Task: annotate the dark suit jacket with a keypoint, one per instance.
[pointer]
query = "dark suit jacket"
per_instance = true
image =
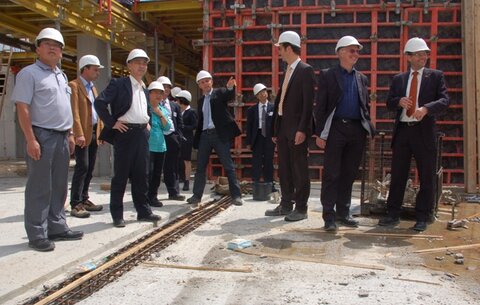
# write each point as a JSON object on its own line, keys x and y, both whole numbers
{"x": 223, "y": 120}
{"x": 190, "y": 120}
{"x": 330, "y": 93}
{"x": 253, "y": 123}
{"x": 297, "y": 106}
{"x": 118, "y": 95}
{"x": 177, "y": 117}
{"x": 432, "y": 95}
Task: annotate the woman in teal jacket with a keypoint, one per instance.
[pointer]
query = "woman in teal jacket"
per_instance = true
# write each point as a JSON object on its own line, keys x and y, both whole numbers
{"x": 159, "y": 122}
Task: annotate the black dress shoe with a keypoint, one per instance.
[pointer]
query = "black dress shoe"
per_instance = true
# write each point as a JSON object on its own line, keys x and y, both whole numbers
{"x": 119, "y": 223}
{"x": 193, "y": 200}
{"x": 176, "y": 197}
{"x": 278, "y": 211}
{"x": 296, "y": 215}
{"x": 186, "y": 185}
{"x": 330, "y": 226}
{"x": 154, "y": 202}
{"x": 348, "y": 222}
{"x": 420, "y": 226}
{"x": 151, "y": 218}
{"x": 42, "y": 245}
{"x": 388, "y": 221}
{"x": 68, "y": 235}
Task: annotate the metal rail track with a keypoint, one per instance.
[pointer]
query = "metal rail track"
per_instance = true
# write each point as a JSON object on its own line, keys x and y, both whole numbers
{"x": 81, "y": 286}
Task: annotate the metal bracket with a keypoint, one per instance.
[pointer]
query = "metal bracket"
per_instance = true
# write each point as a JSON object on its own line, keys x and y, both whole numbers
{"x": 374, "y": 37}
{"x": 434, "y": 38}
{"x": 237, "y": 7}
{"x": 333, "y": 11}
{"x": 373, "y": 96}
{"x": 404, "y": 23}
{"x": 273, "y": 26}
{"x": 426, "y": 5}
{"x": 398, "y": 4}
{"x": 254, "y": 11}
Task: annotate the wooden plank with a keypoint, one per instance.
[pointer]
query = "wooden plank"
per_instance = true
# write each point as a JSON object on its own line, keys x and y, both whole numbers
{"x": 416, "y": 281}
{"x": 199, "y": 268}
{"x": 310, "y": 260}
{"x": 393, "y": 235}
{"x": 462, "y": 247}
{"x": 109, "y": 264}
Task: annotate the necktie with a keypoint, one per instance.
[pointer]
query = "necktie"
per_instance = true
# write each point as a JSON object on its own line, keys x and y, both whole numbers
{"x": 284, "y": 89}
{"x": 413, "y": 93}
{"x": 89, "y": 87}
{"x": 264, "y": 119}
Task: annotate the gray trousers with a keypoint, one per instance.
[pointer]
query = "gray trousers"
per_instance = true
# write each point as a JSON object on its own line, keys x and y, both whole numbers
{"x": 47, "y": 184}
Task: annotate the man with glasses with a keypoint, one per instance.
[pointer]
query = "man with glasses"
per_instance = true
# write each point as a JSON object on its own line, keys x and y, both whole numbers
{"x": 126, "y": 128}
{"x": 417, "y": 96}
{"x": 42, "y": 98}
{"x": 342, "y": 122}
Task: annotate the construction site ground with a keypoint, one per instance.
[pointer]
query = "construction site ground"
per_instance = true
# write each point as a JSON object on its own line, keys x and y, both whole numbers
{"x": 288, "y": 263}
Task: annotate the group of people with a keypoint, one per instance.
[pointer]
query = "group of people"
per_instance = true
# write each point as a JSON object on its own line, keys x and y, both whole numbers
{"x": 152, "y": 132}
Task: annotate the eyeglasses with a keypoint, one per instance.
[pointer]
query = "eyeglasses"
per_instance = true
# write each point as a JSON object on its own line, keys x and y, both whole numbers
{"x": 352, "y": 51}
{"x": 52, "y": 44}
{"x": 419, "y": 54}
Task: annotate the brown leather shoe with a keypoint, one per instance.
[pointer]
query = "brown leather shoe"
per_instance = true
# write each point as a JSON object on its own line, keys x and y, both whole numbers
{"x": 79, "y": 211}
{"x": 92, "y": 207}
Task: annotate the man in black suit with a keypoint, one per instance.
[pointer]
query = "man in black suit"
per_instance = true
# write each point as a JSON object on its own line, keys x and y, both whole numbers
{"x": 126, "y": 128}
{"x": 259, "y": 135}
{"x": 417, "y": 96}
{"x": 342, "y": 122}
{"x": 215, "y": 130}
{"x": 173, "y": 138}
{"x": 292, "y": 127}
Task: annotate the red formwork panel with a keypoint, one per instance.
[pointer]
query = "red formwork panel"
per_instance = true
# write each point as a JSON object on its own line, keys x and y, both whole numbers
{"x": 239, "y": 42}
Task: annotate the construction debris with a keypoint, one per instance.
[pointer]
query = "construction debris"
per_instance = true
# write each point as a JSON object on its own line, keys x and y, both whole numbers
{"x": 446, "y": 248}
{"x": 453, "y": 224}
{"x": 239, "y": 243}
{"x": 448, "y": 197}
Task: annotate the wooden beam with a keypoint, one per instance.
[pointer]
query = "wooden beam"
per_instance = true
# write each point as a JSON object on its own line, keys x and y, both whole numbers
{"x": 169, "y": 5}
{"x": 462, "y": 247}
{"x": 199, "y": 268}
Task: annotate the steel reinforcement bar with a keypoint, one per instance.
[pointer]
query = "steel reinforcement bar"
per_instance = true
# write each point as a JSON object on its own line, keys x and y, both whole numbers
{"x": 80, "y": 286}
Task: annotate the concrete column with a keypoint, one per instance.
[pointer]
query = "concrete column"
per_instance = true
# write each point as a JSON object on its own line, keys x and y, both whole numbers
{"x": 8, "y": 134}
{"x": 90, "y": 45}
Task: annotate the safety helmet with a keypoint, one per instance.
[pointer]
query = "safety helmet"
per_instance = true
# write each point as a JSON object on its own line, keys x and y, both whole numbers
{"x": 156, "y": 85}
{"x": 185, "y": 94}
{"x": 289, "y": 36}
{"x": 346, "y": 41}
{"x": 89, "y": 60}
{"x": 164, "y": 80}
{"x": 257, "y": 88}
{"x": 50, "y": 33}
{"x": 415, "y": 44}
{"x": 137, "y": 53}
{"x": 203, "y": 74}
{"x": 175, "y": 91}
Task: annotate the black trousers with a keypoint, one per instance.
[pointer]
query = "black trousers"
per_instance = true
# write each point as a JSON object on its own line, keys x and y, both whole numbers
{"x": 157, "y": 160}
{"x": 130, "y": 151}
{"x": 343, "y": 154}
{"x": 82, "y": 174}
{"x": 409, "y": 142}
{"x": 293, "y": 171}
{"x": 171, "y": 165}
{"x": 262, "y": 158}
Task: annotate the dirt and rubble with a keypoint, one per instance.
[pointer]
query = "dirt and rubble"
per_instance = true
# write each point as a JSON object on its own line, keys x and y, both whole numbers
{"x": 295, "y": 263}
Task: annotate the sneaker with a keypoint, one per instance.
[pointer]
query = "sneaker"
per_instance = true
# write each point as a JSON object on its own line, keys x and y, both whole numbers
{"x": 237, "y": 201}
{"x": 79, "y": 211}
{"x": 42, "y": 245}
{"x": 92, "y": 207}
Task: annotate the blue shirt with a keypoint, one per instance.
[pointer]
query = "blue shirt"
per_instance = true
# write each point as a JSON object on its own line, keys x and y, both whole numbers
{"x": 207, "y": 113}
{"x": 349, "y": 106}
{"x": 156, "y": 142}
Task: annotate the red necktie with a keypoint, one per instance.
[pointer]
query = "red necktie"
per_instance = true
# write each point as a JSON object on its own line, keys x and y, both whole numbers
{"x": 413, "y": 94}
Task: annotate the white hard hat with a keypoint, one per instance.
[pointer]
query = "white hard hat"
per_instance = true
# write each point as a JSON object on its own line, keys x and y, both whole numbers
{"x": 203, "y": 74}
{"x": 258, "y": 87}
{"x": 89, "y": 60}
{"x": 415, "y": 44}
{"x": 50, "y": 33}
{"x": 185, "y": 94}
{"x": 346, "y": 41}
{"x": 137, "y": 53}
{"x": 164, "y": 80}
{"x": 175, "y": 91}
{"x": 156, "y": 85}
{"x": 289, "y": 36}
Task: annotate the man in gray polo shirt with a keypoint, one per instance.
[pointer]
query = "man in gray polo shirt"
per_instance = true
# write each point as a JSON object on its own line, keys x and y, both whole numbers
{"x": 42, "y": 97}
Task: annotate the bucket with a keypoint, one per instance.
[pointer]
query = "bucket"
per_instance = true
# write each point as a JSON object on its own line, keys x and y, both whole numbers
{"x": 262, "y": 191}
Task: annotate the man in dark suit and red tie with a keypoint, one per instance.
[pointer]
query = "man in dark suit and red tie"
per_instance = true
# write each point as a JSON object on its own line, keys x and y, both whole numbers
{"x": 292, "y": 128}
{"x": 342, "y": 122}
{"x": 417, "y": 96}
{"x": 259, "y": 135}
